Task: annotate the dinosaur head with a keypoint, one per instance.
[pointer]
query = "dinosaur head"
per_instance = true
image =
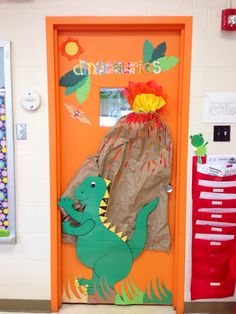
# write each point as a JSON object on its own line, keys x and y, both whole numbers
{"x": 91, "y": 191}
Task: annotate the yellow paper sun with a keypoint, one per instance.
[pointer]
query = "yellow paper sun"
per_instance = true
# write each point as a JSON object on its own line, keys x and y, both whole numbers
{"x": 71, "y": 49}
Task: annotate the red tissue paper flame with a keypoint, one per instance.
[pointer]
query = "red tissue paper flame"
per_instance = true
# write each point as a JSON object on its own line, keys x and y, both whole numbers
{"x": 135, "y": 89}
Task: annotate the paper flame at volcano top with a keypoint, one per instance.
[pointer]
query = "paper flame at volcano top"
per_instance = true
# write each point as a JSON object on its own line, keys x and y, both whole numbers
{"x": 144, "y": 97}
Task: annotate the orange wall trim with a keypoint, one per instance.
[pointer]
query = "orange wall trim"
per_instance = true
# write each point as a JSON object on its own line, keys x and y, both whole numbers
{"x": 184, "y": 25}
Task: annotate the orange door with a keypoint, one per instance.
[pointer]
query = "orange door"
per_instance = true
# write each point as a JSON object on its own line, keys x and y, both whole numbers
{"x": 79, "y": 140}
{"x": 153, "y": 272}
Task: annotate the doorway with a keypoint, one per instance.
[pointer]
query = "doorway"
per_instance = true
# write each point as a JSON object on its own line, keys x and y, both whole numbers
{"x": 99, "y": 41}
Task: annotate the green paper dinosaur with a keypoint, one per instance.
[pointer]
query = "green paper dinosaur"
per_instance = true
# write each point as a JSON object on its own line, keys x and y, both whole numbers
{"x": 197, "y": 141}
{"x": 107, "y": 253}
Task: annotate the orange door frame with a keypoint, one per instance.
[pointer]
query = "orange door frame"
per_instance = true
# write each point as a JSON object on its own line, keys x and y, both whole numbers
{"x": 53, "y": 26}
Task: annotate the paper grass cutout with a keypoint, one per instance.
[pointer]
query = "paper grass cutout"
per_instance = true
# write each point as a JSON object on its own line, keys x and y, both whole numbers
{"x": 197, "y": 141}
{"x": 74, "y": 293}
{"x": 136, "y": 296}
{"x": 109, "y": 295}
{"x": 114, "y": 261}
{"x": 129, "y": 294}
{"x": 77, "y": 114}
{"x": 157, "y": 56}
{"x": 71, "y": 49}
{"x": 165, "y": 295}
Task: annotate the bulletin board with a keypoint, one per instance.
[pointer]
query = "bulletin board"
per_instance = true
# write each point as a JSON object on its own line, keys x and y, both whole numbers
{"x": 7, "y": 194}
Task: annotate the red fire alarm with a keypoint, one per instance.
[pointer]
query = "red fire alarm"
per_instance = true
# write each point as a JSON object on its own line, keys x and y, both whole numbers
{"x": 228, "y": 20}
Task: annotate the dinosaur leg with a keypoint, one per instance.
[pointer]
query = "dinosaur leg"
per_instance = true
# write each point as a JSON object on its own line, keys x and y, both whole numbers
{"x": 109, "y": 271}
{"x": 95, "y": 281}
{"x": 98, "y": 282}
{"x": 87, "y": 282}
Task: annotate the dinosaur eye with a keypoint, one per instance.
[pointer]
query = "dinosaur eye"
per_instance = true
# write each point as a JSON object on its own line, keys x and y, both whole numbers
{"x": 93, "y": 184}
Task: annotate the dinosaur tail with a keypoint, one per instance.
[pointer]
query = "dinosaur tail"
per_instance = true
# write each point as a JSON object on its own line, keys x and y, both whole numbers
{"x": 138, "y": 239}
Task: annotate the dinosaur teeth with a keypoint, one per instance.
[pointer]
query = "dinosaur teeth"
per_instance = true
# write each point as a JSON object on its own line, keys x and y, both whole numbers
{"x": 103, "y": 204}
{"x": 107, "y": 225}
{"x": 101, "y": 211}
{"x": 103, "y": 219}
{"x": 113, "y": 229}
{"x": 124, "y": 238}
{"x": 107, "y": 182}
{"x": 106, "y": 195}
{"x": 120, "y": 234}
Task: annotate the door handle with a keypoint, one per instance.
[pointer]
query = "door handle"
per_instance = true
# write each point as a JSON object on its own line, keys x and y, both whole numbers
{"x": 169, "y": 188}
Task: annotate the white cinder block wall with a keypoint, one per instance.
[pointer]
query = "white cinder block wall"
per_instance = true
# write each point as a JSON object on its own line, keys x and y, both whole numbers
{"x": 27, "y": 264}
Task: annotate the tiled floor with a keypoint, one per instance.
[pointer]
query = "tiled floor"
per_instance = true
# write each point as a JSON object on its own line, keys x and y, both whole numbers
{"x": 111, "y": 309}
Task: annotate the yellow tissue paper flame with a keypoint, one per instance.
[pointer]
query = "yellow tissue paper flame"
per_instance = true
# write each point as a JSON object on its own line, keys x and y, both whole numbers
{"x": 148, "y": 103}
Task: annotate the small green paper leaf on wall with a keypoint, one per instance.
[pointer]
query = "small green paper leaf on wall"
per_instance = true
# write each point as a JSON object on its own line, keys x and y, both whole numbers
{"x": 71, "y": 89}
{"x": 159, "y": 51}
{"x": 83, "y": 91}
{"x": 70, "y": 79}
{"x": 147, "y": 51}
{"x": 166, "y": 63}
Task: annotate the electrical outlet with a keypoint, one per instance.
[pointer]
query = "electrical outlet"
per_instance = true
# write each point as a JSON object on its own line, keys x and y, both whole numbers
{"x": 221, "y": 133}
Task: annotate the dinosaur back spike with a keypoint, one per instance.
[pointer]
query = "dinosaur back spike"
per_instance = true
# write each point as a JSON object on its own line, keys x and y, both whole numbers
{"x": 124, "y": 238}
{"x": 107, "y": 225}
{"x": 103, "y": 204}
{"x": 103, "y": 219}
{"x": 119, "y": 234}
{"x": 106, "y": 195}
{"x": 101, "y": 211}
{"x": 107, "y": 182}
{"x": 113, "y": 229}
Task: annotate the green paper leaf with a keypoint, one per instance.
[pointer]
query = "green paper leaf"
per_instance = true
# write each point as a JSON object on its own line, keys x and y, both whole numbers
{"x": 147, "y": 51}
{"x": 83, "y": 91}
{"x": 159, "y": 51}
{"x": 166, "y": 63}
{"x": 70, "y": 79}
{"x": 71, "y": 89}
